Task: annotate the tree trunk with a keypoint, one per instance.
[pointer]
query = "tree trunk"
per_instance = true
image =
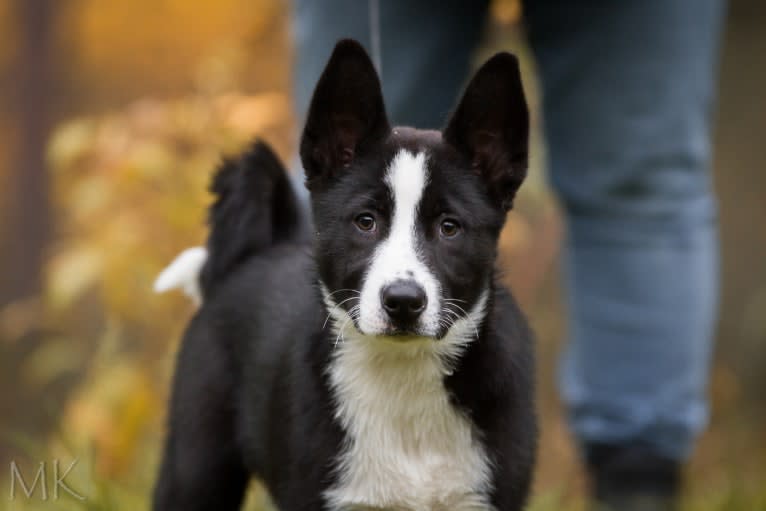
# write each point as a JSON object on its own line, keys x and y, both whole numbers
{"x": 28, "y": 220}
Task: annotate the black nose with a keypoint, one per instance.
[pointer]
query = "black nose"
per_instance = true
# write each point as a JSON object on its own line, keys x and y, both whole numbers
{"x": 403, "y": 300}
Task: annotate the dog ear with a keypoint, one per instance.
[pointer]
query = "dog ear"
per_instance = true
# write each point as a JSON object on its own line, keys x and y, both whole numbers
{"x": 346, "y": 115}
{"x": 490, "y": 126}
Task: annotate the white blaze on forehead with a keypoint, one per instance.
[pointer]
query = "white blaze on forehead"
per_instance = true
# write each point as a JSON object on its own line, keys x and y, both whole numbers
{"x": 406, "y": 178}
{"x": 397, "y": 256}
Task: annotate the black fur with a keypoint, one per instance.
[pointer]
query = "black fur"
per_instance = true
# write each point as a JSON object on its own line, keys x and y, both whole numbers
{"x": 251, "y": 393}
{"x": 494, "y": 135}
{"x": 255, "y": 208}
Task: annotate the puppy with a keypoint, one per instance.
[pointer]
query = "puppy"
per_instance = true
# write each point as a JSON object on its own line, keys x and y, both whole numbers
{"x": 379, "y": 365}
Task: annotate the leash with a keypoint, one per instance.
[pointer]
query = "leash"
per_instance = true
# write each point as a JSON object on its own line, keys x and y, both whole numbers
{"x": 375, "y": 49}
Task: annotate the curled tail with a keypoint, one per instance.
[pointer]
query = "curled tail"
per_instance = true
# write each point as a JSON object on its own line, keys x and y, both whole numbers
{"x": 255, "y": 207}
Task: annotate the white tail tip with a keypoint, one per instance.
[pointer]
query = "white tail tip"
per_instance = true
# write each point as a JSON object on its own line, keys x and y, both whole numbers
{"x": 183, "y": 273}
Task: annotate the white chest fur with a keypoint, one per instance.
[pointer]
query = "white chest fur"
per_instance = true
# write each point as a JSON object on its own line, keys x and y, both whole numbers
{"x": 409, "y": 447}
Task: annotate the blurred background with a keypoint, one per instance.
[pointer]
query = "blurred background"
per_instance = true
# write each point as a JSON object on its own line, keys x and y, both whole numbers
{"x": 113, "y": 116}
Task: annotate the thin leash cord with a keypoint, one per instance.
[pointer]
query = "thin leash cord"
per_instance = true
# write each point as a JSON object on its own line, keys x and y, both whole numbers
{"x": 377, "y": 57}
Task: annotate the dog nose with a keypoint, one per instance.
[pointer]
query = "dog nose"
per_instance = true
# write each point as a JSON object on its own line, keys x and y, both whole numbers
{"x": 403, "y": 300}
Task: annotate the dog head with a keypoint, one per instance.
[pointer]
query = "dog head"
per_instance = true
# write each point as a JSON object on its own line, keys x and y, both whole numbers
{"x": 407, "y": 221}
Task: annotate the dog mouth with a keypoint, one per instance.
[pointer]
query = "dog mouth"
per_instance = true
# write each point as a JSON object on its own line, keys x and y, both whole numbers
{"x": 404, "y": 334}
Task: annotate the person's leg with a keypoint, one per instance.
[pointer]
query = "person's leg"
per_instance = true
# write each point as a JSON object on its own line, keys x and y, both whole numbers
{"x": 426, "y": 46}
{"x": 627, "y": 93}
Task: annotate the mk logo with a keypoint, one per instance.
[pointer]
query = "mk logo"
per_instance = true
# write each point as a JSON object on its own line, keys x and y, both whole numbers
{"x": 40, "y": 478}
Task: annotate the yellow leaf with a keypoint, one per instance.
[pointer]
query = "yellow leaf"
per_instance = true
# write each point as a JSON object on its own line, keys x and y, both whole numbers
{"x": 72, "y": 272}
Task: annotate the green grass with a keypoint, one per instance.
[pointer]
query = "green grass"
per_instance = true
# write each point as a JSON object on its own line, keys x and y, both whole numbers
{"x": 110, "y": 495}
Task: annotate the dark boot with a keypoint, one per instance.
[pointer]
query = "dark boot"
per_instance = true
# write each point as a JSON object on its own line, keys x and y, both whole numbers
{"x": 632, "y": 478}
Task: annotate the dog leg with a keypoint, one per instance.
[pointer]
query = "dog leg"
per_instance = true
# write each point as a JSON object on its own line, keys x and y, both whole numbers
{"x": 202, "y": 466}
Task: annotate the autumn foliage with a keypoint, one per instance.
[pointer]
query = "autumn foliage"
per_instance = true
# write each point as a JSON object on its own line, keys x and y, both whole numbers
{"x": 147, "y": 98}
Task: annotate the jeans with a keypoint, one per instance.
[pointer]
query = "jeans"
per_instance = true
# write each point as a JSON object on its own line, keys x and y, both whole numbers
{"x": 627, "y": 93}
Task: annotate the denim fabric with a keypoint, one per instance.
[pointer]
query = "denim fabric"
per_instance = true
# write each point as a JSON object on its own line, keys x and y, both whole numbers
{"x": 627, "y": 92}
{"x": 426, "y": 46}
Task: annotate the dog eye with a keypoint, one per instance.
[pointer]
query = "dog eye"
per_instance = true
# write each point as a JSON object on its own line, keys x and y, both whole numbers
{"x": 449, "y": 228}
{"x": 365, "y": 222}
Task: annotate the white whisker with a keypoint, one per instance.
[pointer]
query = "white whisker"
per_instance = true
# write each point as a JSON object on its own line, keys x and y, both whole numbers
{"x": 458, "y": 307}
{"x": 340, "y": 333}
{"x": 466, "y": 316}
{"x": 453, "y": 313}
{"x": 334, "y": 308}
{"x": 341, "y": 290}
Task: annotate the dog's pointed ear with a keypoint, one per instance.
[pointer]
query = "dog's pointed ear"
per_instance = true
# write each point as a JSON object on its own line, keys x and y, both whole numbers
{"x": 346, "y": 116}
{"x": 490, "y": 126}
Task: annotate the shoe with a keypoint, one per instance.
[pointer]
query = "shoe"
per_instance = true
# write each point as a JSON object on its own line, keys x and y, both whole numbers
{"x": 632, "y": 478}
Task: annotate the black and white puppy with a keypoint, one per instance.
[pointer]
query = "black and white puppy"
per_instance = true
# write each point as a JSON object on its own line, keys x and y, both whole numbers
{"x": 379, "y": 365}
